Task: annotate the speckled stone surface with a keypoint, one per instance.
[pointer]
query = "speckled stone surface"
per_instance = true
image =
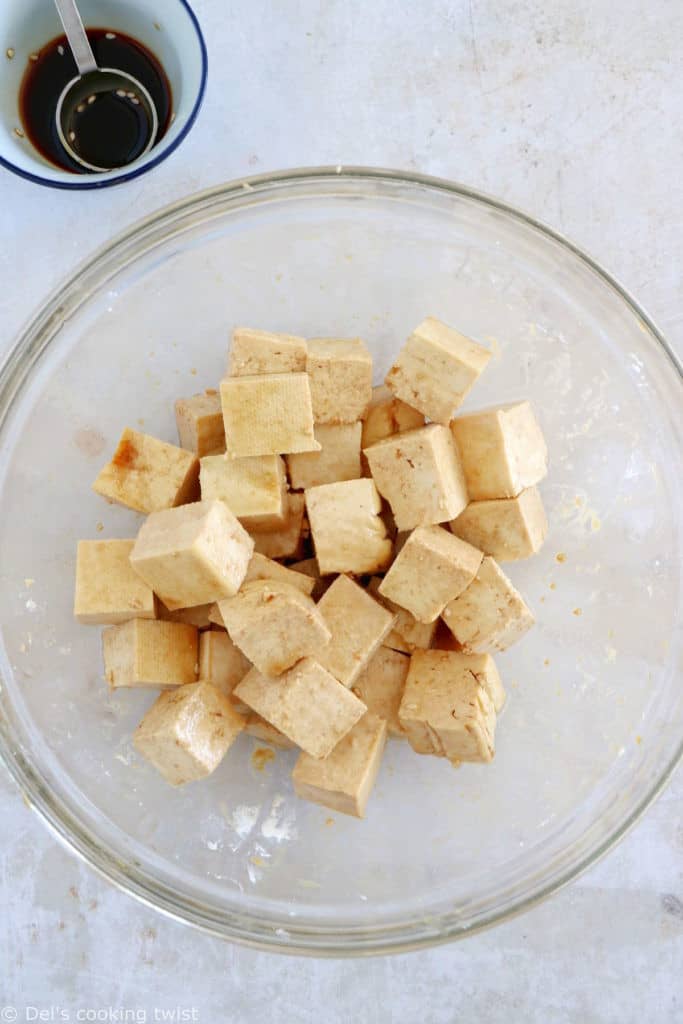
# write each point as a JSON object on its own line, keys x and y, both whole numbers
{"x": 570, "y": 111}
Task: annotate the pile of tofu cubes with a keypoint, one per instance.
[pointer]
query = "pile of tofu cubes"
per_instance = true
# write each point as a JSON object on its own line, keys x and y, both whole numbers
{"x": 319, "y": 562}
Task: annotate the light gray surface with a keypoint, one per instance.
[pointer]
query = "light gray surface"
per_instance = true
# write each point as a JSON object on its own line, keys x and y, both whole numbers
{"x": 569, "y": 111}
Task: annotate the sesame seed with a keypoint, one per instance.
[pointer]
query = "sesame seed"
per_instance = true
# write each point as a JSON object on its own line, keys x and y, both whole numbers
{"x": 110, "y": 35}
{"x": 19, "y": 133}
{"x": 72, "y": 136}
{"x": 130, "y": 95}
{"x": 91, "y": 99}
{"x": 10, "y": 52}
{"x": 121, "y": 92}
{"x": 60, "y": 50}
{"x": 80, "y": 108}
{"x": 33, "y": 57}
{"x": 136, "y": 101}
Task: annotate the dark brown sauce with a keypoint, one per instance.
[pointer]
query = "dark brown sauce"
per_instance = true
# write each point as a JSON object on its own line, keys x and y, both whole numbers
{"x": 107, "y": 131}
{"x": 125, "y": 455}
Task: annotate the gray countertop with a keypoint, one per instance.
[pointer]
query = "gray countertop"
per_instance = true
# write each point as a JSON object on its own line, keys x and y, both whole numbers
{"x": 570, "y": 111}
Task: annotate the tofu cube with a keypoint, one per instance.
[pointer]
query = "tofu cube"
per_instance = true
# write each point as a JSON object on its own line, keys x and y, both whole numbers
{"x": 107, "y": 588}
{"x": 338, "y": 458}
{"x": 380, "y": 686}
{"x": 255, "y": 353}
{"x": 408, "y": 634}
{"x": 358, "y": 625}
{"x": 388, "y": 415}
{"x": 197, "y": 616}
{"x": 502, "y": 451}
{"x": 262, "y": 568}
{"x": 435, "y": 369}
{"x": 449, "y": 705}
{"x": 268, "y": 415}
{"x": 192, "y": 555}
{"x": 420, "y": 475}
{"x": 344, "y": 779}
{"x": 254, "y": 488}
{"x": 429, "y": 571}
{"x": 187, "y": 732}
{"x": 444, "y": 639}
{"x": 215, "y": 617}
{"x": 145, "y": 652}
{"x": 309, "y": 567}
{"x": 262, "y": 730}
{"x": 200, "y": 424}
{"x": 340, "y": 370}
{"x": 148, "y": 475}
{"x": 289, "y": 540}
{"x": 505, "y": 528}
{"x": 348, "y": 532}
{"x": 221, "y": 662}
{"x": 306, "y": 704}
{"x": 489, "y": 615}
{"x": 274, "y": 625}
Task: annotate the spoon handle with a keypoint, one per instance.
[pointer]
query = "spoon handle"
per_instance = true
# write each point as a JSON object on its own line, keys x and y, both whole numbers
{"x": 75, "y": 33}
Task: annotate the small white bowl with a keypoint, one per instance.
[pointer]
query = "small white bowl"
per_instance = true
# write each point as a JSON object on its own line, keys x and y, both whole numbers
{"x": 169, "y": 29}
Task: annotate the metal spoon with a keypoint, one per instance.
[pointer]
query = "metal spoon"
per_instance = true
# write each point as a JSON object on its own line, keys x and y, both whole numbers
{"x": 92, "y": 84}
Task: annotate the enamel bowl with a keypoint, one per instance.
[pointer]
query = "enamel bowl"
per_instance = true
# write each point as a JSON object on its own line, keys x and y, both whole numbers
{"x": 170, "y": 30}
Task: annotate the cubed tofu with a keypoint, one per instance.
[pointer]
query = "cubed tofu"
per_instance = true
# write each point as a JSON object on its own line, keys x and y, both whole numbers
{"x": 309, "y": 567}
{"x": 192, "y": 555}
{"x": 443, "y": 639}
{"x": 340, "y": 370}
{"x": 215, "y": 617}
{"x": 429, "y": 571}
{"x": 348, "y": 533}
{"x": 268, "y": 415}
{"x": 187, "y": 732}
{"x": 505, "y": 528}
{"x": 148, "y": 475}
{"x": 489, "y": 615}
{"x": 338, "y": 458}
{"x": 267, "y": 733}
{"x": 290, "y": 539}
{"x": 221, "y": 662}
{"x": 274, "y": 625}
{"x": 197, "y": 616}
{"x": 305, "y": 703}
{"x": 344, "y": 779}
{"x": 380, "y": 686}
{"x": 358, "y": 625}
{"x": 502, "y": 451}
{"x": 408, "y": 634}
{"x": 420, "y": 475}
{"x": 387, "y": 415}
{"x": 436, "y": 369}
{"x": 262, "y": 568}
{"x": 254, "y": 488}
{"x": 200, "y": 424}
{"x": 255, "y": 353}
{"x": 108, "y": 590}
{"x": 449, "y": 705}
{"x": 147, "y": 653}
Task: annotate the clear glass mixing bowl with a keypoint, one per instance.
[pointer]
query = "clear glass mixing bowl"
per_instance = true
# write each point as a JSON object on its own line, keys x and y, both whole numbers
{"x": 594, "y": 720}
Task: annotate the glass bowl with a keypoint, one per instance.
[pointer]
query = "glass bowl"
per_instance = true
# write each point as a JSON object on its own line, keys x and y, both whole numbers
{"x": 593, "y": 724}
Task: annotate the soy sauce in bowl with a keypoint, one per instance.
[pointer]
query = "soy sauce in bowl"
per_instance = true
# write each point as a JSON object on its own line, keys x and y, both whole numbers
{"x": 106, "y": 126}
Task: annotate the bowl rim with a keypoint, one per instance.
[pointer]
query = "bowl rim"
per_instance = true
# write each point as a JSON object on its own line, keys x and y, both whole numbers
{"x": 81, "y": 183}
{"x": 69, "y": 295}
